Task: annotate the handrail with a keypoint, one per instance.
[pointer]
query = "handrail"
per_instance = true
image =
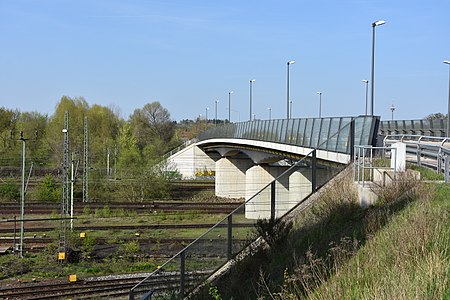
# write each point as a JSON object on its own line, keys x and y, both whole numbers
{"x": 349, "y": 141}
{"x": 303, "y": 132}
{"x": 420, "y": 137}
{"x": 218, "y": 223}
{"x": 435, "y": 151}
{"x": 179, "y": 148}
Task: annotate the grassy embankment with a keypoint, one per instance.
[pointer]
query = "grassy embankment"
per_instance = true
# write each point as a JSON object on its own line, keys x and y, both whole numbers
{"x": 396, "y": 249}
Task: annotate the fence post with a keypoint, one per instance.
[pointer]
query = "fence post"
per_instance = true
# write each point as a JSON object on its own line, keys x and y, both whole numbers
{"x": 439, "y": 161}
{"x": 272, "y": 200}
{"x": 230, "y": 236}
{"x": 418, "y": 154}
{"x": 131, "y": 295}
{"x": 352, "y": 139}
{"x": 313, "y": 171}
{"x": 446, "y": 164}
{"x": 182, "y": 263}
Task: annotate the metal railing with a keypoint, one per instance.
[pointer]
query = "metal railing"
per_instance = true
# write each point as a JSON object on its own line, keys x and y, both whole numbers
{"x": 178, "y": 149}
{"x": 206, "y": 254}
{"x": 213, "y": 249}
{"x": 429, "y": 151}
{"x": 364, "y": 165}
{"x": 330, "y": 134}
{"x": 437, "y": 127}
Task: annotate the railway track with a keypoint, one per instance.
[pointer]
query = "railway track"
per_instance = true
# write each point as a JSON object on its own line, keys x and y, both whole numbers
{"x": 159, "y": 206}
{"x": 129, "y": 227}
{"x": 106, "y": 287}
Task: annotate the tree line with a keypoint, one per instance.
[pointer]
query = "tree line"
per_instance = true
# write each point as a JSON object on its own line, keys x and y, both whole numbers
{"x": 125, "y": 152}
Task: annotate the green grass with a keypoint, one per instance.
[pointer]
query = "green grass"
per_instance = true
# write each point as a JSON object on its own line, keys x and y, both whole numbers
{"x": 407, "y": 259}
{"x": 396, "y": 249}
{"x": 426, "y": 173}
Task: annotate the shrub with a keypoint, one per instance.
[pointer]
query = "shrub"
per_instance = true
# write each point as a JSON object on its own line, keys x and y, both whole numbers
{"x": 47, "y": 190}
{"x": 9, "y": 191}
{"x": 129, "y": 250}
{"x": 12, "y": 265}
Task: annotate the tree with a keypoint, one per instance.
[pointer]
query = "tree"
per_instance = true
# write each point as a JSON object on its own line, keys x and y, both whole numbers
{"x": 34, "y": 125}
{"x": 435, "y": 116}
{"x": 129, "y": 156}
{"x": 152, "y": 122}
{"x": 77, "y": 108}
{"x": 103, "y": 128}
{"x": 8, "y": 121}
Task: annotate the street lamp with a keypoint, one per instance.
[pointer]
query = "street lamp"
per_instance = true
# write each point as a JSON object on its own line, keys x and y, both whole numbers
{"x": 320, "y": 104}
{"x": 270, "y": 113}
{"x": 392, "y": 112}
{"x": 229, "y": 106}
{"x": 215, "y": 120}
{"x": 366, "y": 83}
{"x": 374, "y": 24}
{"x": 251, "y": 94}
{"x": 288, "y": 113}
{"x": 448, "y": 105}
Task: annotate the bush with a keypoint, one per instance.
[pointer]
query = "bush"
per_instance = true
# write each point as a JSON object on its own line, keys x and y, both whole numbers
{"x": 47, "y": 190}
{"x": 12, "y": 265}
{"x": 129, "y": 250}
{"x": 9, "y": 191}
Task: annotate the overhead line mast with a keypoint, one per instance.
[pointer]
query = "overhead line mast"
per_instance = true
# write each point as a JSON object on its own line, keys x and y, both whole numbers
{"x": 86, "y": 162}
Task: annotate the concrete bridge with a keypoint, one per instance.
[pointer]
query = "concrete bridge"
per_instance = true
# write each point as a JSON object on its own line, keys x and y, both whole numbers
{"x": 276, "y": 165}
{"x": 245, "y": 157}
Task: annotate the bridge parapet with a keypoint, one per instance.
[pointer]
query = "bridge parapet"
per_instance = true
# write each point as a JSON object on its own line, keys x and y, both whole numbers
{"x": 330, "y": 134}
{"x": 437, "y": 127}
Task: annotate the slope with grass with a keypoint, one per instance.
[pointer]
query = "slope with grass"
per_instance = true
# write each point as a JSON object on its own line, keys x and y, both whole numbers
{"x": 396, "y": 249}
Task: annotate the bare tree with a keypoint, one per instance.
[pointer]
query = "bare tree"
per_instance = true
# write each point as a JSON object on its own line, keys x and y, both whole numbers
{"x": 152, "y": 122}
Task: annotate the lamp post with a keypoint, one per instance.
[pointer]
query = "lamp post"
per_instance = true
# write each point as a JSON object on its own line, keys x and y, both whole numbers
{"x": 215, "y": 120}
{"x": 372, "y": 84}
{"x": 448, "y": 104}
{"x": 392, "y": 112}
{"x": 270, "y": 113}
{"x": 288, "y": 110}
{"x": 251, "y": 95}
{"x": 320, "y": 104}
{"x": 229, "y": 106}
{"x": 206, "y": 114}
{"x": 366, "y": 82}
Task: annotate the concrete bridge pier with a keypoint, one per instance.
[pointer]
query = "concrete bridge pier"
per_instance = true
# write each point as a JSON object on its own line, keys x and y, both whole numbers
{"x": 230, "y": 176}
{"x": 257, "y": 177}
{"x": 289, "y": 190}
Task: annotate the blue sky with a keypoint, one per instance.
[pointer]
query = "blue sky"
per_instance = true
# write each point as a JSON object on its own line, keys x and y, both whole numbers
{"x": 187, "y": 54}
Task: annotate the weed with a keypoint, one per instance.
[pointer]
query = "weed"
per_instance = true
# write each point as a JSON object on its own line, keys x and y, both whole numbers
{"x": 404, "y": 186}
{"x": 214, "y": 293}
